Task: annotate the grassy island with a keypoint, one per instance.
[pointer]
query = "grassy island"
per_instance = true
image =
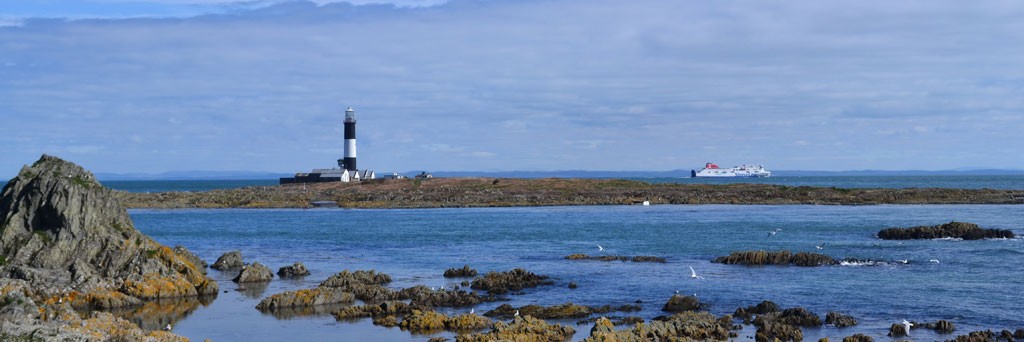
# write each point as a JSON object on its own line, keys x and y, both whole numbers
{"x": 512, "y": 192}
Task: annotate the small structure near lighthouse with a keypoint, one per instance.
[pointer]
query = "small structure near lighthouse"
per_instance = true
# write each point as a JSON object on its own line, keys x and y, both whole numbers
{"x": 347, "y": 171}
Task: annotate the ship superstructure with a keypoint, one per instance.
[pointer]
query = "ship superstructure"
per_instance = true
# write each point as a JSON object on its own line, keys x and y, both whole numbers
{"x": 713, "y": 170}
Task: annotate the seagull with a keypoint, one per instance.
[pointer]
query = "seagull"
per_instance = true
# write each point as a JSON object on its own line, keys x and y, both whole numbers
{"x": 600, "y": 249}
{"x": 906, "y": 327}
{"x": 693, "y": 274}
{"x": 934, "y": 261}
{"x": 442, "y": 287}
{"x": 168, "y": 327}
{"x": 772, "y": 233}
{"x": 517, "y": 313}
{"x": 820, "y": 247}
{"x": 904, "y": 261}
{"x": 471, "y": 311}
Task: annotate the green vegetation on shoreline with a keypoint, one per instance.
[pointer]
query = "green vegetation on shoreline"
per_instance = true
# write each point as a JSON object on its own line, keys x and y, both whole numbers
{"x": 513, "y": 192}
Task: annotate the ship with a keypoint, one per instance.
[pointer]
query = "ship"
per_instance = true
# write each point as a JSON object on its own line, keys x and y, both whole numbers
{"x": 750, "y": 171}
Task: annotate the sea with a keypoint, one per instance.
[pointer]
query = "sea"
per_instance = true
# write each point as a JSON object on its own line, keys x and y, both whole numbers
{"x": 974, "y": 284}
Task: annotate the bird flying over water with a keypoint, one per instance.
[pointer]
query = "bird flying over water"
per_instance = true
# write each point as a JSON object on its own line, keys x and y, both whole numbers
{"x": 772, "y": 233}
{"x": 693, "y": 274}
{"x": 904, "y": 261}
{"x": 599, "y": 248}
{"x": 820, "y": 247}
{"x": 934, "y": 261}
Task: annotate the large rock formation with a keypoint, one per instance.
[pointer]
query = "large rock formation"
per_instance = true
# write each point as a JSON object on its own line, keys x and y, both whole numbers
{"x": 956, "y": 230}
{"x": 685, "y": 326}
{"x": 68, "y": 240}
{"x": 514, "y": 280}
{"x": 776, "y": 258}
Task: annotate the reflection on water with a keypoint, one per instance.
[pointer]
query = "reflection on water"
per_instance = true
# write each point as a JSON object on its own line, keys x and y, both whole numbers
{"x": 156, "y": 314}
{"x": 253, "y": 290}
{"x": 309, "y": 311}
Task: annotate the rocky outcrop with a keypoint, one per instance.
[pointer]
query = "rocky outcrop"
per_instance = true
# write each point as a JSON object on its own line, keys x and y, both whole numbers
{"x": 680, "y": 303}
{"x": 761, "y": 308}
{"x": 305, "y": 297}
{"x": 956, "y": 230}
{"x": 522, "y": 328}
{"x": 685, "y": 326}
{"x": 638, "y": 258}
{"x": 390, "y": 308}
{"x": 794, "y": 316}
{"x": 858, "y": 338}
{"x": 775, "y": 331}
{"x": 255, "y": 273}
{"x": 567, "y": 310}
{"x": 976, "y": 336}
{"x": 776, "y": 258}
{"x": 65, "y": 236}
{"x": 839, "y": 320}
{"x": 360, "y": 277}
{"x": 294, "y": 271}
{"x": 898, "y": 330}
{"x": 228, "y": 261}
{"x": 422, "y": 295}
{"x": 514, "y": 280}
{"x": 465, "y": 271}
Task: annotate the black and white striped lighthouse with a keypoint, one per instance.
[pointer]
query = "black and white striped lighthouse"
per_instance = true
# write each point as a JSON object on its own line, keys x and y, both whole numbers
{"x": 349, "y": 162}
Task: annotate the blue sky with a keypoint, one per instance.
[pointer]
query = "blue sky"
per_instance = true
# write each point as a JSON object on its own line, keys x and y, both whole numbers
{"x": 162, "y": 85}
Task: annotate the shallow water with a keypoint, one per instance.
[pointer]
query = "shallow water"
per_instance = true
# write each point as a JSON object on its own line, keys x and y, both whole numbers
{"x": 975, "y": 285}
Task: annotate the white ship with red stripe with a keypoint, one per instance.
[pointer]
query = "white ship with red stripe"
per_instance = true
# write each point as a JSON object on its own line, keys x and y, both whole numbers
{"x": 712, "y": 170}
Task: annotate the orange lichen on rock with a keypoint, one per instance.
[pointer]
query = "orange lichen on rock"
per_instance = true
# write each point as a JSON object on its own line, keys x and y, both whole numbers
{"x": 155, "y": 286}
{"x": 105, "y": 326}
{"x": 423, "y": 321}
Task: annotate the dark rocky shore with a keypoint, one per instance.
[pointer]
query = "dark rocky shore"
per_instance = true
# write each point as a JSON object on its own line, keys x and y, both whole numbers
{"x": 491, "y": 192}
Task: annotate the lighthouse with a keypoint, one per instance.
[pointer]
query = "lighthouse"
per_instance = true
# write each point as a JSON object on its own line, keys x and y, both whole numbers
{"x": 349, "y": 162}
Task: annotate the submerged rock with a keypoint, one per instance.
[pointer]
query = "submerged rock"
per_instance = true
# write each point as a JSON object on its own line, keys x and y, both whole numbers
{"x": 514, "y": 280}
{"x": 761, "y": 308}
{"x": 295, "y": 270}
{"x": 465, "y": 271}
{"x": 638, "y": 258}
{"x": 858, "y": 338}
{"x": 255, "y": 273}
{"x": 228, "y": 261}
{"x": 776, "y": 258}
{"x": 956, "y": 230}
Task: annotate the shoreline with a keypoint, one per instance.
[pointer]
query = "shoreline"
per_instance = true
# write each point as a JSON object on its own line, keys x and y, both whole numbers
{"x": 520, "y": 192}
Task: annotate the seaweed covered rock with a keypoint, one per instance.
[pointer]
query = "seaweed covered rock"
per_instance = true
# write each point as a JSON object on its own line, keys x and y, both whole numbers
{"x": 255, "y": 273}
{"x": 839, "y": 320}
{"x": 684, "y": 326}
{"x": 775, "y": 331}
{"x": 858, "y": 338}
{"x": 957, "y": 230}
{"x": 294, "y": 271}
{"x": 514, "y": 280}
{"x": 567, "y": 310}
{"x": 638, "y": 258}
{"x": 305, "y": 297}
{"x": 679, "y": 303}
{"x": 389, "y": 308}
{"x": 228, "y": 261}
{"x": 423, "y": 321}
{"x": 347, "y": 279}
{"x": 465, "y": 271}
{"x": 761, "y": 308}
{"x": 425, "y": 296}
{"x": 794, "y": 316}
{"x": 776, "y": 258}
{"x": 522, "y": 328}
{"x": 976, "y": 336}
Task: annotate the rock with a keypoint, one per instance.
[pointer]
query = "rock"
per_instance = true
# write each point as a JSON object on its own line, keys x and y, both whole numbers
{"x": 567, "y": 310}
{"x": 346, "y": 279}
{"x": 1018, "y": 334}
{"x": 759, "y": 309}
{"x": 795, "y": 316}
{"x": 976, "y": 336}
{"x": 776, "y": 258}
{"x": 680, "y": 303}
{"x": 572, "y": 285}
{"x": 467, "y": 322}
{"x": 898, "y": 330}
{"x": 423, "y": 322}
{"x": 194, "y": 259}
{"x": 958, "y": 230}
{"x": 522, "y": 328}
{"x": 65, "y": 236}
{"x": 638, "y": 258}
{"x": 228, "y": 261}
{"x": 946, "y": 327}
{"x": 514, "y": 280}
{"x": 386, "y": 321}
{"x": 684, "y": 326}
{"x": 445, "y": 339}
{"x": 306, "y": 297}
{"x": 295, "y": 270}
{"x": 465, "y": 271}
{"x": 858, "y": 338}
{"x": 255, "y": 273}
{"x": 603, "y": 325}
{"x": 823, "y": 339}
{"x": 1006, "y": 335}
{"x": 422, "y": 295}
{"x": 390, "y": 308}
{"x": 839, "y": 320}
{"x": 774, "y": 331}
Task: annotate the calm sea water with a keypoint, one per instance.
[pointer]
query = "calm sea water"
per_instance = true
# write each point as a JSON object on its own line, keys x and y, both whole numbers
{"x": 976, "y": 285}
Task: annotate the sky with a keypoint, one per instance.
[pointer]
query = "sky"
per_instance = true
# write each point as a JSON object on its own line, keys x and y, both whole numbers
{"x": 149, "y": 86}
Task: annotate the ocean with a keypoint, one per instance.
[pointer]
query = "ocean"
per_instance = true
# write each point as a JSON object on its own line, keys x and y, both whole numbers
{"x": 975, "y": 285}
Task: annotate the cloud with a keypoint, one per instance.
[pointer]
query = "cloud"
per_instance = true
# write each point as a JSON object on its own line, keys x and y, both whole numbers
{"x": 558, "y": 84}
